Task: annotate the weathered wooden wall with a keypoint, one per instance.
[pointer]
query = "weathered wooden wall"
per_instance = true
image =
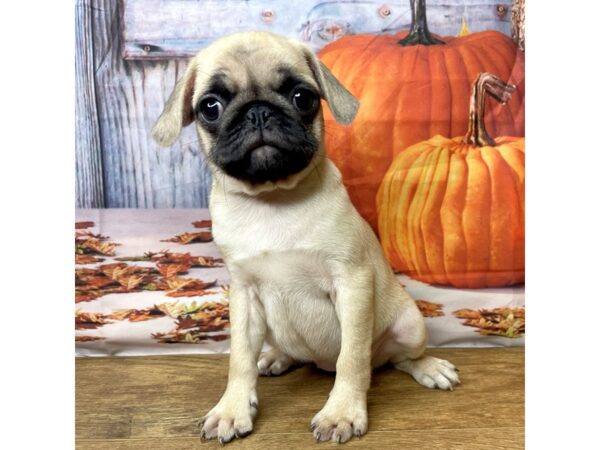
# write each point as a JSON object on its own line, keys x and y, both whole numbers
{"x": 131, "y": 52}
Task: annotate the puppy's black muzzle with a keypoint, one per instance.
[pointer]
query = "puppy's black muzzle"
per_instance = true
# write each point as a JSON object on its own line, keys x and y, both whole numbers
{"x": 262, "y": 142}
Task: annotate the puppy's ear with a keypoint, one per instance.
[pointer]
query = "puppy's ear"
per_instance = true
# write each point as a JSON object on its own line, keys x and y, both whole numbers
{"x": 178, "y": 111}
{"x": 342, "y": 103}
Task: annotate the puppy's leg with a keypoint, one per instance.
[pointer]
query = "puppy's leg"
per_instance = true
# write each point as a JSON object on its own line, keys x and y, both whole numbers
{"x": 274, "y": 362}
{"x": 233, "y": 415}
{"x": 410, "y": 338}
{"x": 345, "y": 412}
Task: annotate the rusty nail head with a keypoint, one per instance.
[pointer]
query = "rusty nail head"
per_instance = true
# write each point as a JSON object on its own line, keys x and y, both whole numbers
{"x": 385, "y": 11}
{"x": 501, "y": 10}
{"x": 267, "y": 15}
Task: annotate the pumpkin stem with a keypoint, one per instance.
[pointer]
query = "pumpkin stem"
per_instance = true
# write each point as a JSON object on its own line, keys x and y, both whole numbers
{"x": 485, "y": 83}
{"x": 419, "y": 33}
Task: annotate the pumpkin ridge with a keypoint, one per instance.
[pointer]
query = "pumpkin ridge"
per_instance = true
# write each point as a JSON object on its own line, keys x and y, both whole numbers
{"x": 451, "y": 213}
{"x": 430, "y": 221}
{"x": 503, "y": 220}
{"x": 407, "y": 193}
{"x": 397, "y": 178}
{"x": 508, "y": 152}
{"x": 415, "y": 213}
{"x": 477, "y": 208}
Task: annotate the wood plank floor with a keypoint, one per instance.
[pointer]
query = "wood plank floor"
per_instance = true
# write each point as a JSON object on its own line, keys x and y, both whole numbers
{"x": 154, "y": 403}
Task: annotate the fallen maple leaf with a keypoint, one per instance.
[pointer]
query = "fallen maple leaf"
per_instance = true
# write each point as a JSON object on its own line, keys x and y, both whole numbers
{"x": 169, "y": 270}
{"x": 506, "y": 322}
{"x": 93, "y": 245}
{"x": 188, "y": 238}
{"x": 87, "y": 259}
{"x": 80, "y": 225}
{"x": 202, "y": 223}
{"x": 137, "y": 315}
{"x": 86, "y": 296}
{"x": 84, "y": 235}
{"x": 429, "y": 309}
{"x": 88, "y": 338}
{"x": 89, "y": 320}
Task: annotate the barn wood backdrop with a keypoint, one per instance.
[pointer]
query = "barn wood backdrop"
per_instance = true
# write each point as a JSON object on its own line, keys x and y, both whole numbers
{"x": 130, "y": 53}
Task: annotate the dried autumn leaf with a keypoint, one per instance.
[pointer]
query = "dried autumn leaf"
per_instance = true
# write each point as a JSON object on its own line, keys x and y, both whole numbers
{"x": 185, "y": 287}
{"x": 169, "y": 270}
{"x": 85, "y": 235}
{"x": 89, "y": 320}
{"x": 87, "y": 259}
{"x": 195, "y": 321}
{"x": 95, "y": 246}
{"x": 88, "y": 338}
{"x": 173, "y": 309}
{"x": 81, "y": 225}
{"x": 131, "y": 282}
{"x": 86, "y": 296}
{"x": 202, "y": 223}
{"x": 188, "y": 238}
{"x": 137, "y": 315}
{"x": 429, "y": 309}
{"x": 94, "y": 282}
{"x": 190, "y": 293}
{"x": 506, "y": 322}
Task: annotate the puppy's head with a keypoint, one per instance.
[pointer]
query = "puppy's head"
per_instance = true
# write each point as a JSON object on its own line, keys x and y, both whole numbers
{"x": 255, "y": 100}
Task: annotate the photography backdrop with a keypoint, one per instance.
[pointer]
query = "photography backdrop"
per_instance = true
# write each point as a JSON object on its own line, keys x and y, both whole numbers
{"x": 450, "y": 215}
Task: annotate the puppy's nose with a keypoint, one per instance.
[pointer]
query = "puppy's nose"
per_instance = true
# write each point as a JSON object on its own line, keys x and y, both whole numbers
{"x": 259, "y": 115}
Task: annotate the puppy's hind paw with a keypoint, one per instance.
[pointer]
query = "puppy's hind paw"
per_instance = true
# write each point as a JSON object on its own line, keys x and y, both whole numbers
{"x": 274, "y": 362}
{"x": 431, "y": 372}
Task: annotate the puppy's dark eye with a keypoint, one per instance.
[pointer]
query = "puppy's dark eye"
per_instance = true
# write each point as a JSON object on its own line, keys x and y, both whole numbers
{"x": 210, "y": 109}
{"x": 303, "y": 99}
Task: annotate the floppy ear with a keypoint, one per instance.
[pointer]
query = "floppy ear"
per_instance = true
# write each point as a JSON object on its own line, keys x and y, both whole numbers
{"x": 342, "y": 103}
{"x": 178, "y": 111}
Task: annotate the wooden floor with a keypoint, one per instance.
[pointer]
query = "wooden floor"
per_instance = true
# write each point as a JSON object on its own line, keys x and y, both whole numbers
{"x": 154, "y": 402}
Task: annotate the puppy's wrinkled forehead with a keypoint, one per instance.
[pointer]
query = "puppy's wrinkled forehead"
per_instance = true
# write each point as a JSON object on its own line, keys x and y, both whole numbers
{"x": 252, "y": 66}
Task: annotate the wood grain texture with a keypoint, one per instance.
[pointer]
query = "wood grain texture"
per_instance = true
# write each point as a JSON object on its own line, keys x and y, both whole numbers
{"x": 130, "y": 96}
{"x": 160, "y": 29}
{"x": 154, "y": 402}
{"x": 89, "y": 190}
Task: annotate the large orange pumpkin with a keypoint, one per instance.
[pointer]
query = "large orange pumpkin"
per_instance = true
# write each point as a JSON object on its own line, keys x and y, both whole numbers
{"x": 410, "y": 88}
{"x": 452, "y": 211}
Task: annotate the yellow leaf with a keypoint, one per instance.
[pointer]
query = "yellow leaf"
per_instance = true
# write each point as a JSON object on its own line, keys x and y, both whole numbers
{"x": 464, "y": 29}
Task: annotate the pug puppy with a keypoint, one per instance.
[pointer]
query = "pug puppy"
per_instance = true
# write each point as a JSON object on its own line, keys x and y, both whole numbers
{"x": 308, "y": 275}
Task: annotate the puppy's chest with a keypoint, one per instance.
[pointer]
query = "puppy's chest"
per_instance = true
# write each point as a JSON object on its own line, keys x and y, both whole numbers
{"x": 258, "y": 233}
{"x": 276, "y": 253}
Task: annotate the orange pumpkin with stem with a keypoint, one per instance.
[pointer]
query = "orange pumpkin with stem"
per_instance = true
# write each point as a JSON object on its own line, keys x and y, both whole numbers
{"x": 452, "y": 211}
{"x": 411, "y": 86}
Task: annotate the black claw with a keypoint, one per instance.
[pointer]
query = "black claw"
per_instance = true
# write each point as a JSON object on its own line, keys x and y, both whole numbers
{"x": 339, "y": 439}
{"x": 313, "y": 426}
{"x": 254, "y": 405}
{"x": 242, "y": 435}
{"x": 318, "y": 436}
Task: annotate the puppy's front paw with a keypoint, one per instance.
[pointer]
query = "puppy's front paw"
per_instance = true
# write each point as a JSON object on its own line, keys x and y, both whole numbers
{"x": 231, "y": 418}
{"x": 343, "y": 416}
